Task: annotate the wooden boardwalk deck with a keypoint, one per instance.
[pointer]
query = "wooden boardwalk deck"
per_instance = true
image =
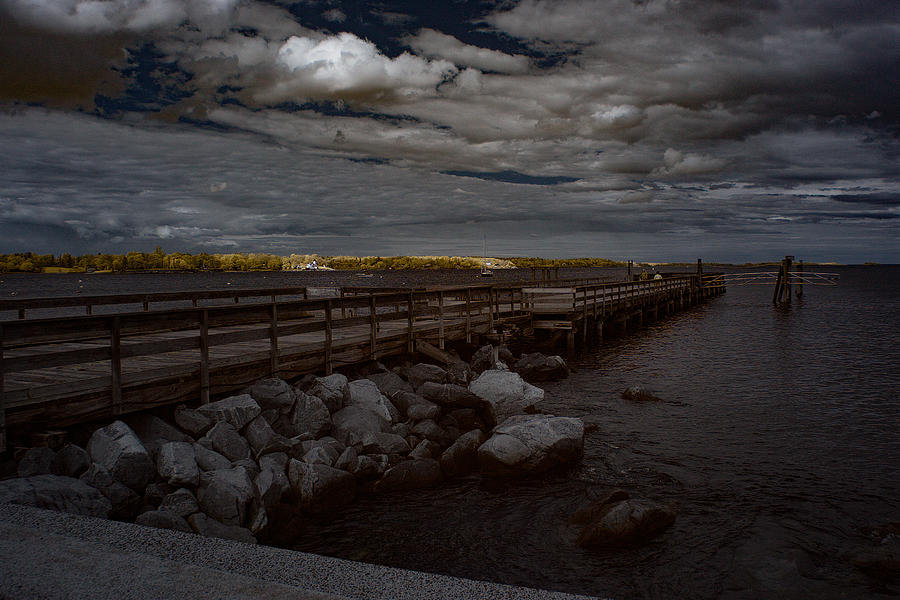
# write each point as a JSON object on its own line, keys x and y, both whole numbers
{"x": 59, "y": 371}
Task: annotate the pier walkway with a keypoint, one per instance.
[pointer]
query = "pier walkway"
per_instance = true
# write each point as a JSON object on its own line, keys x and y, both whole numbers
{"x": 176, "y": 348}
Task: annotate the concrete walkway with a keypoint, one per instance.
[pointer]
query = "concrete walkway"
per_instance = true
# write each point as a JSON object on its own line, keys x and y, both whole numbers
{"x": 49, "y": 555}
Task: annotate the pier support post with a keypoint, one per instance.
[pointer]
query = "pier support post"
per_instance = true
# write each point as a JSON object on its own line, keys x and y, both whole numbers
{"x": 800, "y": 279}
{"x": 328, "y": 338}
{"x": 115, "y": 347}
{"x": 373, "y": 328}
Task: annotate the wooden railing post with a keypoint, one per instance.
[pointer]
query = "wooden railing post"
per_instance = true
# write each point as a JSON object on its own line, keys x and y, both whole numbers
{"x": 410, "y": 341}
{"x": 468, "y": 315}
{"x": 373, "y": 327}
{"x": 491, "y": 309}
{"x": 115, "y": 347}
{"x": 441, "y": 319}
{"x": 21, "y": 313}
{"x": 273, "y": 339}
{"x": 204, "y": 356}
{"x": 328, "y": 338}
{"x": 2, "y": 396}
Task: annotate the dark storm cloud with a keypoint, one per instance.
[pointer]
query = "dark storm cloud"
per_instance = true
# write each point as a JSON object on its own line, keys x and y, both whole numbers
{"x": 296, "y": 125}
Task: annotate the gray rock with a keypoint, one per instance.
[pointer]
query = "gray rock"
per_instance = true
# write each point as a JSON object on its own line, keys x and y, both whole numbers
{"x": 618, "y": 521}
{"x": 36, "y": 461}
{"x": 71, "y": 461}
{"x": 402, "y": 400}
{"x": 318, "y": 456}
{"x": 163, "y": 519}
{"x": 467, "y": 419}
{"x": 332, "y": 390}
{"x": 460, "y": 373}
{"x": 225, "y": 440}
{"x": 209, "y": 527}
{"x": 117, "y": 449}
{"x": 249, "y": 464}
{"x": 225, "y": 495}
{"x": 320, "y": 488}
{"x": 505, "y": 393}
{"x": 347, "y": 460}
{"x": 209, "y": 460}
{"x": 881, "y": 561}
{"x": 422, "y": 372}
{"x": 462, "y": 456}
{"x": 410, "y": 475}
{"x": 390, "y": 383}
{"x": 273, "y": 393}
{"x": 55, "y": 492}
{"x": 155, "y": 492}
{"x": 177, "y": 465}
{"x": 430, "y": 430}
{"x": 484, "y": 358}
{"x": 426, "y": 449}
{"x": 370, "y": 466}
{"x": 384, "y": 443}
{"x": 449, "y": 395}
{"x": 351, "y": 424}
{"x": 328, "y": 444}
{"x": 259, "y": 434}
{"x": 259, "y": 517}
{"x": 401, "y": 429}
{"x": 235, "y": 410}
{"x": 424, "y": 410}
{"x": 310, "y": 415}
{"x": 364, "y": 393}
{"x": 192, "y": 421}
{"x": 154, "y": 432}
{"x": 123, "y": 500}
{"x": 536, "y": 367}
{"x": 271, "y": 486}
{"x": 529, "y": 444}
{"x": 275, "y": 462}
{"x": 181, "y": 502}
{"x": 640, "y": 394}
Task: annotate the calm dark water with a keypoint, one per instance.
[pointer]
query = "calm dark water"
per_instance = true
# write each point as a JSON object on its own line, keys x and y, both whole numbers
{"x": 779, "y": 441}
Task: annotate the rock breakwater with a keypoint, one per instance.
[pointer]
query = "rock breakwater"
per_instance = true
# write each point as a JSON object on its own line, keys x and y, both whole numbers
{"x": 237, "y": 467}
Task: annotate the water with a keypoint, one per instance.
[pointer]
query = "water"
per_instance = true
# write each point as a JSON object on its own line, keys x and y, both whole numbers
{"x": 778, "y": 441}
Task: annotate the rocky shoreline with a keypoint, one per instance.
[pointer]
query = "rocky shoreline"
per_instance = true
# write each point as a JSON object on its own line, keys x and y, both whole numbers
{"x": 240, "y": 467}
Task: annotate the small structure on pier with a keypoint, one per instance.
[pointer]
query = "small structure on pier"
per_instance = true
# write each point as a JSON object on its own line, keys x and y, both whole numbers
{"x": 790, "y": 277}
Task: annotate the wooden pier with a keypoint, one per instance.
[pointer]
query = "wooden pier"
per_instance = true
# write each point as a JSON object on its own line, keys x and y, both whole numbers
{"x": 150, "y": 350}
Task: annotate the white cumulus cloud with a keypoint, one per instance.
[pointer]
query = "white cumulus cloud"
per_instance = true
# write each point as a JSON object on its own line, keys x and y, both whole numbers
{"x": 681, "y": 163}
{"x": 429, "y": 42}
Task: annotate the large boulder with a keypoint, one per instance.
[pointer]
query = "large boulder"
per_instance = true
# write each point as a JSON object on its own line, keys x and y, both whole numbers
{"x": 536, "y": 367}
{"x": 55, "y": 492}
{"x": 332, "y": 390}
{"x": 430, "y": 430}
{"x": 117, "y": 449}
{"x": 364, "y": 393}
{"x": 124, "y": 501}
{"x": 320, "y": 488}
{"x": 154, "y": 432}
{"x": 224, "y": 439}
{"x": 384, "y": 443}
{"x": 235, "y": 410}
{"x": 225, "y": 495}
{"x": 505, "y": 394}
{"x": 351, "y": 424}
{"x": 177, "y": 464}
{"x": 36, "y": 461}
{"x": 310, "y": 415}
{"x": 192, "y": 420}
{"x": 881, "y": 561}
{"x": 273, "y": 393}
{"x": 462, "y": 456}
{"x": 259, "y": 434}
{"x": 449, "y": 395}
{"x": 163, "y": 519}
{"x": 209, "y": 460}
{"x": 389, "y": 384}
{"x": 209, "y": 527}
{"x": 410, "y": 475}
{"x": 71, "y": 461}
{"x": 422, "y": 372}
{"x": 528, "y": 444}
{"x": 638, "y": 393}
{"x": 619, "y": 520}
{"x": 180, "y": 502}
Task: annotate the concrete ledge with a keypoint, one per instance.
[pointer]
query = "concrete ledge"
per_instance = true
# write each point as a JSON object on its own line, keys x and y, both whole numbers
{"x": 51, "y": 555}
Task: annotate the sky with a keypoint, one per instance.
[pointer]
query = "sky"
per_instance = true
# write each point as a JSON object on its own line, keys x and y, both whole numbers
{"x": 652, "y": 130}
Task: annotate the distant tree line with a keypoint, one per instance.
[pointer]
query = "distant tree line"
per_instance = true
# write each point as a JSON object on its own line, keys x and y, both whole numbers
{"x": 29, "y": 262}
